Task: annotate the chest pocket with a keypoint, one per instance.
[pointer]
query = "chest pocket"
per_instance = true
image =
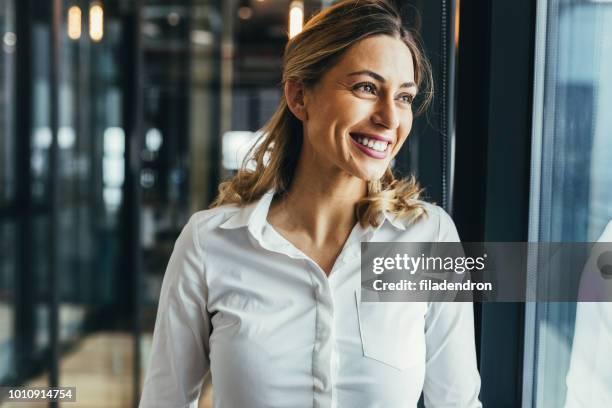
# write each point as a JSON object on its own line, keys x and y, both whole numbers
{"x": 392, "y": 333}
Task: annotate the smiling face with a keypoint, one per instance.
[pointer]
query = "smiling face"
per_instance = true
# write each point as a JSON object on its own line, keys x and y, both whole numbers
{"x": 358, "y": 115}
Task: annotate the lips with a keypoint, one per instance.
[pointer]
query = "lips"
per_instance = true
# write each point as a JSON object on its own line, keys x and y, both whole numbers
{"x": 373, "y": 136}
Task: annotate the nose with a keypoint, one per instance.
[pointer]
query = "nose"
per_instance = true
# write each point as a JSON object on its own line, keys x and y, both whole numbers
{"x": 386, "y": 114}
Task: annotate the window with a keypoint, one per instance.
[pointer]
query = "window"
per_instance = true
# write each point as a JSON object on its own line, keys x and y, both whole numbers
{"x": 571, "y": 196}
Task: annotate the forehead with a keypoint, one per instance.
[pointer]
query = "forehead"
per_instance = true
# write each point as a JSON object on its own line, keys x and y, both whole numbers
{"x": 383, "y": 54}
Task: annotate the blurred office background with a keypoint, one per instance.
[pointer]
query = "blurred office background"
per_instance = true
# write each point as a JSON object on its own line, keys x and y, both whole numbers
{"x": 118, "y": 119}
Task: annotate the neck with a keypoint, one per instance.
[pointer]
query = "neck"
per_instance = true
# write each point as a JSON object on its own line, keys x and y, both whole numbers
{"x": 319, "y": 206}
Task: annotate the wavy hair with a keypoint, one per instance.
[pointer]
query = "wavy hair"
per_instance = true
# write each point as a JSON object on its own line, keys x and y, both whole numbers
{"x": 323, "y": 41}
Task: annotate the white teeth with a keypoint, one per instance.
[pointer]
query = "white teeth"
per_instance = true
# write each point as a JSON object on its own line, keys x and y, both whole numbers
{"x": 373, "y": 144}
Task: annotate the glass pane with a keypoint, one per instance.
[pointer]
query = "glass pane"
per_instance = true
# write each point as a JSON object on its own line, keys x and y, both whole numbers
{"x": 91, "y": 179}
{"x": 72, "y": 259}
{"x": 41, "y": 126}
{"x": 7, "y": 93}
{"x": 8, "y": 270}
{"x": 575, "y": 197}
{"x": 39, "y": 291}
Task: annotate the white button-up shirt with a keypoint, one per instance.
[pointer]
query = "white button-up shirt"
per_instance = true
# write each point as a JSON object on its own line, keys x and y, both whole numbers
{"x": 240, "y": 300}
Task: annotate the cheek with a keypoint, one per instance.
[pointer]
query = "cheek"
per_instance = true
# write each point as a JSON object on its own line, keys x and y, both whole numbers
{"x": 324, "y": 116}
{"x": 404, "y": 132}
{"x": 322, "y": 132}
{"x": 333, "y": 123}
{"x": 407, "y": 125}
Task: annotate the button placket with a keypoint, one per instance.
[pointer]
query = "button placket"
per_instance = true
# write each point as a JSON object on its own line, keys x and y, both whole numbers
{"x": 324, "y": 343}
{"x": 335, "y": 364}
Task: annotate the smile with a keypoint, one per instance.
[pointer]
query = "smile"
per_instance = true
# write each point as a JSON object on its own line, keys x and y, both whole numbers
{"x": 377, "y": 145}
{"x": 372, "y": 147}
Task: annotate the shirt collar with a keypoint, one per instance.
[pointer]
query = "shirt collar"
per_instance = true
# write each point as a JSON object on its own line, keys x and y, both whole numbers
{"x": 254, "y": 216}
{"x": 393, "y": 220}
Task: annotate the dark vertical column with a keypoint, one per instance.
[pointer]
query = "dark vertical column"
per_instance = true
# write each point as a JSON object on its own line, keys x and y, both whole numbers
{"x": 472, "y": 119}
{"x": 54, "y": 197}
{"x": 132, "y": 123}
{"x": 507, "y": 199}
{"x": 24, "y": 301}
{"x": 493, "y": 165}
{"x": 472, "y": 132}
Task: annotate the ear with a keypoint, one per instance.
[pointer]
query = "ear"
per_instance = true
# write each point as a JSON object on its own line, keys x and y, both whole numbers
{"x": 296, "y": 101}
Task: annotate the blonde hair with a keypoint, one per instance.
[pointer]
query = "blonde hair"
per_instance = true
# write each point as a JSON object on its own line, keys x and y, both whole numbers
{"x": 325, "y": 38}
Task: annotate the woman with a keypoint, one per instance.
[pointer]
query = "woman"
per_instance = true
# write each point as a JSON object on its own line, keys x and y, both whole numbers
{"x": 263, "y": 289}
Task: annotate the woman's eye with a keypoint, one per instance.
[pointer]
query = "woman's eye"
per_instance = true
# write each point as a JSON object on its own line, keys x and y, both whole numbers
{"x": 406, "y": 98}
{"x": 366, "y": 87}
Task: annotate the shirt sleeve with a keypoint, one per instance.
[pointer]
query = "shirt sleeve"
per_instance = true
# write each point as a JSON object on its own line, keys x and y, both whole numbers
{"x": 451, "y": 375}
{"x": 179, "y": 357}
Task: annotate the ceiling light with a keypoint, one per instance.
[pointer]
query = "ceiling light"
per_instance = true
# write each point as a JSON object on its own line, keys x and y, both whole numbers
{"x": 74, "y": 23}
{"x": 96, "y": 22}
{"x": 296, "y": 18}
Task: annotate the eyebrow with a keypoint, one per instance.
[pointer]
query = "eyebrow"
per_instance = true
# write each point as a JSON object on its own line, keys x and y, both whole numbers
{"x": 379, "y": 78}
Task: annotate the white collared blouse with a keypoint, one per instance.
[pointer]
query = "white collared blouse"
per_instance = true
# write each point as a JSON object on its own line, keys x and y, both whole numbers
{"x": 240, "y": 300}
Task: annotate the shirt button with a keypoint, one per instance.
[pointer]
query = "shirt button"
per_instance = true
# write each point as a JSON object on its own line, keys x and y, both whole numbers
{"x": 318, "y": 384}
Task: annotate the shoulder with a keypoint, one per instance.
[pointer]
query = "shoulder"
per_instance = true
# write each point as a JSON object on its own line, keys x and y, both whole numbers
{"x": 442, "y": 223}
{"x": 434, "y": 225}
{"x": 213, "y": 217}
{"x": 203, "y": 222}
